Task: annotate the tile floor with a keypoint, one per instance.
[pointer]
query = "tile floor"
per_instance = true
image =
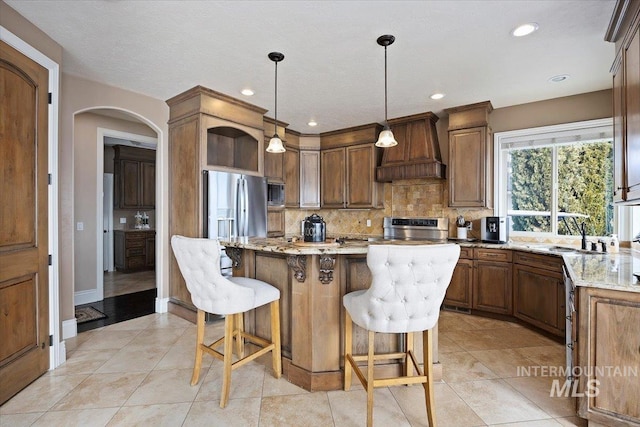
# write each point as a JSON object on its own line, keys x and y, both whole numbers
{"x": 137, "y": 373}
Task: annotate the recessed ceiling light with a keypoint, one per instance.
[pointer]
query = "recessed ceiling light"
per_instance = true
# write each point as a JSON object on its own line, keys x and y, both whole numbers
{"x": 247, "y": 92}
{"x": 524, "y": 29}
{"x": 559, "y": 78}
{"x": 312, "y": 123}
{"x": 437, "y": 96}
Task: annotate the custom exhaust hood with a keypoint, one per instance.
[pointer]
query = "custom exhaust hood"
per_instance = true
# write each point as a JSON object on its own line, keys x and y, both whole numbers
{"x": 417, "y": 154}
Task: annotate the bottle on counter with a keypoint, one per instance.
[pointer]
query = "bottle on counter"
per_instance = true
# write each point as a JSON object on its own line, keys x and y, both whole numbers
{"x": 614, "y": 244}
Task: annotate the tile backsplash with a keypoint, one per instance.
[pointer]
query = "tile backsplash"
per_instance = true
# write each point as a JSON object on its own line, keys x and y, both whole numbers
{"x": 411, "y": 198}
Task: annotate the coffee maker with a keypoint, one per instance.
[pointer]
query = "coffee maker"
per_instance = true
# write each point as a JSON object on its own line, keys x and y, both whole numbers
{"x": 494, "y": 229}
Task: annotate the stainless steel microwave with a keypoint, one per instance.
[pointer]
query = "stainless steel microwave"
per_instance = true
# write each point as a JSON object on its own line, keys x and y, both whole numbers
{"x": 275, "y": 194}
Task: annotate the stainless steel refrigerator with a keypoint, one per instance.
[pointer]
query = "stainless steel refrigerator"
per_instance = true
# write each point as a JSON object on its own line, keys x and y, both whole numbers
{"x": 235, "y": 206}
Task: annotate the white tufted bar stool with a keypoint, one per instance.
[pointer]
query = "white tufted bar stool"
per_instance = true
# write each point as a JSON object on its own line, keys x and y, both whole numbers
{"x": 199, "y": 262}
{"x": 408, "y": 286}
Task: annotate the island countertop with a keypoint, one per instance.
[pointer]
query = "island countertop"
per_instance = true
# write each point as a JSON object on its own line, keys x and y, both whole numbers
{"x": 589, "y": 269}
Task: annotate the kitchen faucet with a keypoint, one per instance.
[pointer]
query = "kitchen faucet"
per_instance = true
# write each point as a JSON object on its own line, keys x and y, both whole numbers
{"x": 583, "y": 232}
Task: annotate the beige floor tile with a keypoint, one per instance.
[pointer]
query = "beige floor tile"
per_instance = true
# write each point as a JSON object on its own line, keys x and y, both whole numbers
{"x": 182, "y": 356}
{"x": 131, "y": 359}
{"x": 547, "y": 355}
{"x": 449, "y": 321}
{"x": 538, "y": 390}
{"x": 101, "y": 391}
{"x": 497, "y": 402}
{"x": 480, "y": 322}
{"x": 83, "y": 362}
{"x": 279, "y": 386}
{"x": 42, "y": 394}
{"x": 238, "y": 412}
{"x": 108, "y": 340}
{"x": 539, "y": 423}
{"x": 19, "y": 420}
{"x": 78, "y": 417}
{"x": 71, "y": 344}
{"x": 572, "y": 421}
{"x": 170, "y": 386}
{"x": 505, "y": 363}
{"x": 447, "y": 345}
{"x": 136, "y": 324}
{"x": 154, "y": 338}
{"x": 164, "y": 415}
{"x": 520, "y": 337}
{"x": 246, "y": 381}
{"x": 462, "y": 366}
{"x": 451, "y": 410}
{"x": 349, "y": 408}
{"x": 479, "y": 339}
{"x": 168, "y": 320}
{"x": 300, "y": 410}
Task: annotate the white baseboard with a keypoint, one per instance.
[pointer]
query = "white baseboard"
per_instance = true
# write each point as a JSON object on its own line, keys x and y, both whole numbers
{"x": 85, "y": 297}
{"x": 162, "y": 305}
{"x": 62, "y": 353}
{"x": 69, "y": 328}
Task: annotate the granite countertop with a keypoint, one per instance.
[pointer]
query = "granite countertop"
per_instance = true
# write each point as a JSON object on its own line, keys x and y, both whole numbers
{"x": 591, "y": 269}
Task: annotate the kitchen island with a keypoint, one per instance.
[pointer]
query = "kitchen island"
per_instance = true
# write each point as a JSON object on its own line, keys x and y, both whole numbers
{"x": 312, "y": 281}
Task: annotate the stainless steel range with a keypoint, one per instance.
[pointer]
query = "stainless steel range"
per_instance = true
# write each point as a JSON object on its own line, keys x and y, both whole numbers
{"x": 403, "y": 228}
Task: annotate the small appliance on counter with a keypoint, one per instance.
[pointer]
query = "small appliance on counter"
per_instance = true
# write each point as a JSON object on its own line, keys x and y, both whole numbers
{"x": 494, "y": 229}
{"x": 314, "y": 229}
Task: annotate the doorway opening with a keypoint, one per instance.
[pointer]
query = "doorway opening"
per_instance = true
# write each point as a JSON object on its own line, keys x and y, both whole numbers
{"x": 124, "y": 267}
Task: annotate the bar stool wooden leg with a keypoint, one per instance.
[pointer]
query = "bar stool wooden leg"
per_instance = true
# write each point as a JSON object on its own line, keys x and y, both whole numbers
{"x": 199, "y": 343}
{"x": 275, "y": 338}
{"x": 408, "y": 365}
{"x": 370, "y": 360}
{"x": 427, "y": 342}
{"x": 227, "y": 359}
{"x": 239, "y": 329}
{"x": 348, "y": 343}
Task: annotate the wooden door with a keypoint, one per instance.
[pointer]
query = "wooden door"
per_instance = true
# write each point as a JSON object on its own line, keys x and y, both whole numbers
{"x": 536, "y": 297}
{"x": 148, "y": 185}
{"x": 309, "y": 179}
{"x": 619, "y": 143}
{"x": 632, "y": 114}
{"x": 460, "y": 289}
{"x": 130, "y": 184}
{"x": 24, "y": 282}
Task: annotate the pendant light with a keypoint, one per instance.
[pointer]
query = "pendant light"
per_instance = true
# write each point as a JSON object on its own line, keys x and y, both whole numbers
{"x": 386, "y": 139}
{"x": 275, "y": 143}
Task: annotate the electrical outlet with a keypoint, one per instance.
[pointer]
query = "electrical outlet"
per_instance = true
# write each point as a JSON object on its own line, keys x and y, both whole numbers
{"x": 368, "y": 223}
{"x": 80, "y": 226}
{"x": 123, "y": 220}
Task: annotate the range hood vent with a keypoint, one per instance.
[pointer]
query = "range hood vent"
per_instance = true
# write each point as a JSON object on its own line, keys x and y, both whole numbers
{"x": 417, "y": 154}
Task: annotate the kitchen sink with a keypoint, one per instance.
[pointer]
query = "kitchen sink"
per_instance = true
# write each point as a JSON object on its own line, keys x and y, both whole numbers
{"x": 552, "y": 248}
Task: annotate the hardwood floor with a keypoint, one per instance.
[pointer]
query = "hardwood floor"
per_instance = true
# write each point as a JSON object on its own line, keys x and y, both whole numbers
{"x": 126, "y": 296}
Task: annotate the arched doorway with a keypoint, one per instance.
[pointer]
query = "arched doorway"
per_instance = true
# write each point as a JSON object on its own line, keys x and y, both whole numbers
{"x": 93, "y": 130}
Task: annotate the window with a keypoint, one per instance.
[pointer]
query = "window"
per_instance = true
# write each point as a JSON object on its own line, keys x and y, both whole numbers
{"x": 552, "y": 179}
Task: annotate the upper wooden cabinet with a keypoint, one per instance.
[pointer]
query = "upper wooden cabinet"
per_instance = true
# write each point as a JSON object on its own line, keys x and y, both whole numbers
{"x": 309, "y": 179}
{"x": 624, "y": 30}
{"x": 135, "y": 178}
{"x": 470, "y": 156}
{"x": 347, "y": 168}
{"x": 292, "y": 170}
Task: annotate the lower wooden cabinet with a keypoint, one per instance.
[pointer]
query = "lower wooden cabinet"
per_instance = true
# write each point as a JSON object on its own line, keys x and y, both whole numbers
{"x": 134, "y": 250}
{"x": 538, "y": 291}
{"x": 492, "y": 284}
{"x": 609, "y": 356}
{"x": 459, "y": 292}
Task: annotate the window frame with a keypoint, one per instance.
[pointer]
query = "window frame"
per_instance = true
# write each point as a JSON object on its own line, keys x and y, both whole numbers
{"x": 552, "y": 131}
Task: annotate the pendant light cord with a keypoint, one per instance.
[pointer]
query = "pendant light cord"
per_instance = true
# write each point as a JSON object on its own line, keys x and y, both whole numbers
{"x": 385, "y": 84}
{"x": 276, "y": 109}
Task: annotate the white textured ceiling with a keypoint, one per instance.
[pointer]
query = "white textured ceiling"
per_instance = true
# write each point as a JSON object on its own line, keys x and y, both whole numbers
{"x": 333, "y": 69}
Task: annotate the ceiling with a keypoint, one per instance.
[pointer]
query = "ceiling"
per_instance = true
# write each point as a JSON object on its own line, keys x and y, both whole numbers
{"x": 333, "y": 71}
